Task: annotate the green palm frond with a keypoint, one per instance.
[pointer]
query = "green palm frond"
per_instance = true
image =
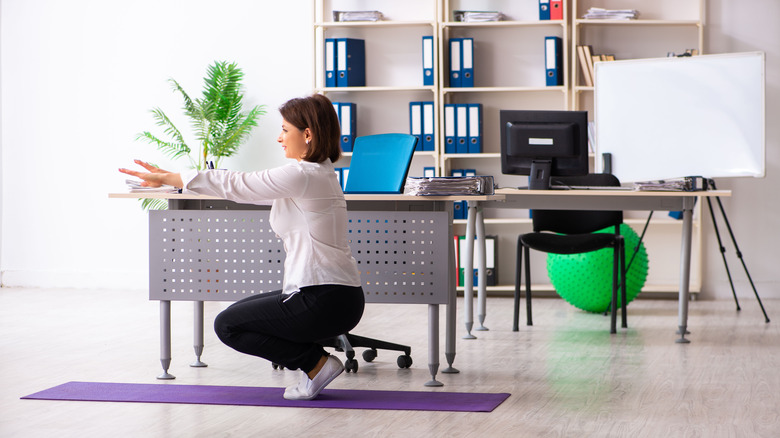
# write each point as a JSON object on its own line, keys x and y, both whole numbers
{"x": 216, "y": 119}
{"x": 154, "y": 204}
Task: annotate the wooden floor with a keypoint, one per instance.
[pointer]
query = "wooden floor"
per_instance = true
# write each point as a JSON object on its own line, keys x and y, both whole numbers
{"x": 568, "y": 377}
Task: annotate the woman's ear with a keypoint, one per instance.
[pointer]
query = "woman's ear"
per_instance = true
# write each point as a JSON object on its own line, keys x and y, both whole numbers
{"x": 307, "y": 135}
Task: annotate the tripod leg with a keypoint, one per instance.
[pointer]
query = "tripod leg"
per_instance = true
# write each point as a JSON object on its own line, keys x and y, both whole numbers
{"x": 722, "y": 251}
{"x": 739, "y": 255}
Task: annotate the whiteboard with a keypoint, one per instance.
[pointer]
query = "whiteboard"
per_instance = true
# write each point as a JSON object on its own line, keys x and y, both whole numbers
{"x": 690, "y": 116}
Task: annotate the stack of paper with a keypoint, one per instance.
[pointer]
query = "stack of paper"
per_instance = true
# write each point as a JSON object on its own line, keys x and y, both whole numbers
{"x": 449, "y": 185}
{"x": 357, "y": 16}
{"x": 477, "y": 16}
{"x": 686, "y": 184}
{"x": 136, "y": 187}
{"x": 611, "y": 14}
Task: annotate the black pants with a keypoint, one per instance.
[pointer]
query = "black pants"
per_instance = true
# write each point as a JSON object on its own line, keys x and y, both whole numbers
{"x": 285, "y": 328}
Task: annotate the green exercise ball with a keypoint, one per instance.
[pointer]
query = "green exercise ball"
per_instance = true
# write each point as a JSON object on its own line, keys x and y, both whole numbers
{"x": 585, "y": 280}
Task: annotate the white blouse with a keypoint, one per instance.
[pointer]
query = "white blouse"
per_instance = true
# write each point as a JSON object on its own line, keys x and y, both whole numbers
{"x": 308, "y": 213}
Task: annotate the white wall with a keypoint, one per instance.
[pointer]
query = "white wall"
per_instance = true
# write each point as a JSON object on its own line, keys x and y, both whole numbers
{"x": 77, "y": 80}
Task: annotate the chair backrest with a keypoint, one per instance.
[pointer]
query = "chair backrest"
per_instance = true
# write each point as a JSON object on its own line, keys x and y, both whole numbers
{"x": 579, "y": 221}
{"x": 380, "y": 163}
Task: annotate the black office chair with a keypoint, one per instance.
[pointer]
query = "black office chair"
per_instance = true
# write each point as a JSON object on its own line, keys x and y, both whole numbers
{"x": 572, "y": 232}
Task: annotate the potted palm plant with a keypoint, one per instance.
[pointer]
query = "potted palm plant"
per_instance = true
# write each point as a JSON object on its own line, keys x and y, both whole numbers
{"x": 219, "y": 125}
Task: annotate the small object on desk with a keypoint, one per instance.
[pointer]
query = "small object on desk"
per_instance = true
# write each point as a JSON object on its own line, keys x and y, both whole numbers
{"x": 450, "y": 185}
{"x": 357, "y": 16}
{"x": 136, "y": 187}
{"x": 685, "y": 184}
{"x": 611, "y": 14}
{"x": 477, "y": 16}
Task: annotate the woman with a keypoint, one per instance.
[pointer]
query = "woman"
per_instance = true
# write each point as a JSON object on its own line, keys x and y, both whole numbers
{"x": 321, "y": 295}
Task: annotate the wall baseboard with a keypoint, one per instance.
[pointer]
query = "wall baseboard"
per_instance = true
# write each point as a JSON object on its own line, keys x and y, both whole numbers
{"x": 75, "y": 280}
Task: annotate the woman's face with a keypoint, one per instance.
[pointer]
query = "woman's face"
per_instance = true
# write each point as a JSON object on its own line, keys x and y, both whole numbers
{"x": 293, "y": 140}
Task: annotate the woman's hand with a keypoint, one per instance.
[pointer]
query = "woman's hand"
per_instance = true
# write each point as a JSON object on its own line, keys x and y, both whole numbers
{"x": 155, "y": 177}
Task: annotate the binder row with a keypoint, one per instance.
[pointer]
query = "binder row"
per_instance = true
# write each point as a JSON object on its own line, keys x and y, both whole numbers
{"x": 345, "y": 62}
{"x": 551, "y": 9}
{"x": 491, "y": 255}
{"x": 347, "y": 113}
{"x": 463, "y": 128}
{"x": 461, "y": 62}
{"x": 421, "y": 122}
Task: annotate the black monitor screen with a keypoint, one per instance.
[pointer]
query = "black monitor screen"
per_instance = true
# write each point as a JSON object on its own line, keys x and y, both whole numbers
{"x": 544, "y": 144}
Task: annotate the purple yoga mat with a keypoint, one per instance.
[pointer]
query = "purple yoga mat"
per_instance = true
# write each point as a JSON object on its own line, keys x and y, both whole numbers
{"x": 253, "y": 396}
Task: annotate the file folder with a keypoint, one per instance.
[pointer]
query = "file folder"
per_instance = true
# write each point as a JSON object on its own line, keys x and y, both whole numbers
{"x": 428, "y": 123}
{"x": 544, "y": 9}
{"x": 350, "y": 62}
{"x": 467, "y": 62}
{"x": 427, "y": 60}
{"x": 455, "y": 62}
{"x": 462, "y": 129}
{"x": 491, "y": 246}
{"x": 475, "y": 128}
{"x": 330, "y": 62}
{"x": 450, "y": 146}
{"x": 347, "y": 119}
{"x": 429, "y": 172}
{"x": 416, "y": 123}
{"x": 553, "y": 59}
{"x": 556, "y": 9}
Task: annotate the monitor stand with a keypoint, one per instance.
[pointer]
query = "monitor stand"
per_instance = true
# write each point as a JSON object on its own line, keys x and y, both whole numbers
{"x": 540, "y": 175}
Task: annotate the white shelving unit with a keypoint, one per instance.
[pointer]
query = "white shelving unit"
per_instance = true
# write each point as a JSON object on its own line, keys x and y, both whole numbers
{"x": 509, "y": 73}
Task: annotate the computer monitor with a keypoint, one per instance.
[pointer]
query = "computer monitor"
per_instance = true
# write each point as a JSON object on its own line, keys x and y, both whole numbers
{"x": 544, "y": 144}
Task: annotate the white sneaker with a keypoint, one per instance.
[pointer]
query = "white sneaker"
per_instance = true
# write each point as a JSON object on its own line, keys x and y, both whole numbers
{"x": 307, "y": 388}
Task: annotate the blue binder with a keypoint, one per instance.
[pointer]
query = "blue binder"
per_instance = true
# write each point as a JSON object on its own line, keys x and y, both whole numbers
{"x": 428, "y": 143}
{"x": 553, "y": 59}
{"x": 350, "y": 62}
{"x": 348, "y": 120}
{"x": 467, "y": 62}
{"x": 416, "y": 123}
{"x": 450, "y": 128}
{"x": 544, "y": 9}
{"x": 429, "y": 172}
{"x": 462, "y": 128}
{"x": 427, "y": 60}
{"x": 455, "y": 62}
{"x": 475, "y": 128}
{"x": 330, "y": 62}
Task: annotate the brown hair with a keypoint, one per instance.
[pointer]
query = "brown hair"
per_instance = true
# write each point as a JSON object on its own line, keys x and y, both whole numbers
{"x": 317, "y": 114}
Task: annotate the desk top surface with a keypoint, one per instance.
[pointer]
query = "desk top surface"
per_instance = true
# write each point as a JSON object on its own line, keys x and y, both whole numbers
{"x": 366, "y": 197}
{"x": 509, "y": 192}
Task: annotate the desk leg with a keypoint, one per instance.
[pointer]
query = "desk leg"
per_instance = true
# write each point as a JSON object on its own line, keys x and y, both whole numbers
{"x": 165, "y": 340}
{"x": 481, "y": 275}
{"x": 451, "y": 315}
{"x": 198, "y": 334}
{"x": 468, "y": 271}
{"x": 433, "y": 344}
{"x": 685, "y": 271}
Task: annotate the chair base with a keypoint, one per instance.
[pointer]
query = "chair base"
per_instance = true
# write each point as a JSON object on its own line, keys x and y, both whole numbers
{"x": 348, "y": 342}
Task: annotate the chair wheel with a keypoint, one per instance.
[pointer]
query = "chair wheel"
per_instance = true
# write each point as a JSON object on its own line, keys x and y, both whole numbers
{"x": 404, "y": 361}
{"x": 369, "y": 355}
{"x": 351, "y": 365}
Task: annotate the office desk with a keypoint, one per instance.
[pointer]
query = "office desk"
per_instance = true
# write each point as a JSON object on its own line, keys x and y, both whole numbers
{"x": 580, "y": 200}
{"x": 414, "y": 266}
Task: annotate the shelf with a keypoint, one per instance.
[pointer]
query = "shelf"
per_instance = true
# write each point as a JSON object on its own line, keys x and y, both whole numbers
{"x": 647, "y": 288}
{"x": 508, "y": 23}
{"x": 525, "y": 220}
{"x": 483, "y": 155}
{"x": 388, "y": 23}
{"x": 375, "y": 88}
{"x": 640, "y": 22}
{"x": 556, "y": 88}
